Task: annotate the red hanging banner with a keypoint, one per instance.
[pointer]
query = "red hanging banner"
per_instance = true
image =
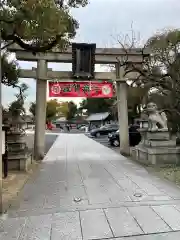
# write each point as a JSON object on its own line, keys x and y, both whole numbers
{"x": 81, "y": 89}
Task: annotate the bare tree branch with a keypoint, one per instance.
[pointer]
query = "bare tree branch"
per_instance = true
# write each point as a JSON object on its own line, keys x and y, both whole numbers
{"x": 30, "y": 47}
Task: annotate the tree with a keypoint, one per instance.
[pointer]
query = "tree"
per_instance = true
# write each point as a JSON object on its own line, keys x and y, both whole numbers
{"x": 159, "y": 71}
{"x": 96, "y": 105}
{"x": 162, "y": 72}
{"x": 38, "y": 25}
{"x": 72, "y": 110}
{"x": 10, "y": 77}
{"x": 63, "y": 109}
{"x": 32, "y": 108}
{"x": 51, "y": 109}
{"x": 16, "y": 108}
{"x": 10, "y": 71}
{"x": 136, "y": 97}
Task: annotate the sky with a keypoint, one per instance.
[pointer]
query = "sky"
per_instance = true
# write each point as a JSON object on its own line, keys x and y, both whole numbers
{"x": 103, "y": 22}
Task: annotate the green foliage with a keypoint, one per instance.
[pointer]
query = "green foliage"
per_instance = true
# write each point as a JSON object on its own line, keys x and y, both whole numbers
{"x": 32, "y": 108}
{"x": 136, "y": 97}
{"x": 165, "y": 48}
{"x": 10, "y": 71}
{"x": 96, "y": 105}
{"x": 51, "y": 110}
{"x": 162, "y": 72}
{"x": 39, "y": 25}
{"x": 54, "y": 109}
{"x": 167, "y": 40}
{"x": 72, "y": 110}
{"x": 16, "y": 108}
{"x": 63, "y": 110}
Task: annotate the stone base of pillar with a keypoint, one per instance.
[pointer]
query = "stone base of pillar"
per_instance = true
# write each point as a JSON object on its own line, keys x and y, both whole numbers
{"x": 20, "y": 163}
{"x": 125, "y": 153}
{"x": 38, "y": 155}
{"x": 153, "y": 156}
{"x": 156, "y": 148}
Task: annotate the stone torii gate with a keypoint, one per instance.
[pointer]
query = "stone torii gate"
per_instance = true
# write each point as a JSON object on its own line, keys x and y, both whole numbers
{"x": 42, "y": 74}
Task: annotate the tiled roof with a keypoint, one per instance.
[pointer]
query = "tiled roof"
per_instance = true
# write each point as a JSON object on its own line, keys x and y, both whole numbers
{"x": 98, "y": 116}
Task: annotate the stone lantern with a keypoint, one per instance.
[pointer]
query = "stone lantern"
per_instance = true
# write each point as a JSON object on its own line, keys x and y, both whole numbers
{"x": 19, "y": 157}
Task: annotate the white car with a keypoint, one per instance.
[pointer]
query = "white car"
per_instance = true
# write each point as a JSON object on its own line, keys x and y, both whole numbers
{"x": 83, "y": 128}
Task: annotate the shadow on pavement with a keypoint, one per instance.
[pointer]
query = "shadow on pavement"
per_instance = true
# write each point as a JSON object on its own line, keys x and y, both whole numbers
{"x": 49, "y": 140}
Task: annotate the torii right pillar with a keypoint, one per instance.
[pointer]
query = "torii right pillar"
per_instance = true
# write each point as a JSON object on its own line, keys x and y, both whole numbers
{"x": 121, "y": 87}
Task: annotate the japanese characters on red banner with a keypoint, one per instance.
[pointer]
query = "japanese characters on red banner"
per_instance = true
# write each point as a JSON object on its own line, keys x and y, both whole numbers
{"x": 81, "y": 89}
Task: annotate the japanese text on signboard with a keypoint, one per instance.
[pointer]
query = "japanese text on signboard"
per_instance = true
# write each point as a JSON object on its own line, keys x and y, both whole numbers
{"x": 81, "y": 89}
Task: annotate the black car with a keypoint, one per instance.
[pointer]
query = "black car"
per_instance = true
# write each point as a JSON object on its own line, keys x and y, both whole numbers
{"x": 104, "y": 130}
{"x": 134, "y": 137}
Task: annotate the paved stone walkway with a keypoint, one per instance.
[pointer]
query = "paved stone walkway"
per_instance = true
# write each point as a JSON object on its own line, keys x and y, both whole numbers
{"x": 87, "y": 191}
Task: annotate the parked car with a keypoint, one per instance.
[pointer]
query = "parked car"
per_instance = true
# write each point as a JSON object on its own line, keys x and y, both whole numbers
{"x": 80, "y": 126}
{"x": 83, "y": 128}
{"x": 104, "y": 130}
{"x": 134, "y": 137}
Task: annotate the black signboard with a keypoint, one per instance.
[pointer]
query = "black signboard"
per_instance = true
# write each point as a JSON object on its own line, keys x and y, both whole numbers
{"x": 83, "y": 60}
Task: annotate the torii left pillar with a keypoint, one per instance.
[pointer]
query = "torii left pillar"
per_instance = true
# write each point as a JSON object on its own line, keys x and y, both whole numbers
{"x": 40, "y": 117}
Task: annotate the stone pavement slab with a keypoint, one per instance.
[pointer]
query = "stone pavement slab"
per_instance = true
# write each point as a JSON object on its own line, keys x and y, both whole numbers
{"x": 66, "y": 226}
{"x": 163, "y": 236}
{"x": 11, "y": 228}
{"x": 149, "y": 221}
{"x": 85, "y": 190}
{"x": 37, "y": 227}
{"x": 94, "y": 225}
{"x": 122, "y": 222}
{"x": 170, "y": 215}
